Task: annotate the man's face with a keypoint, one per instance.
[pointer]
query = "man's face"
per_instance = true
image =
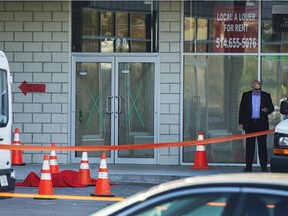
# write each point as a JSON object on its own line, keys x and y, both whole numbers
{"x": 256, "y": 87}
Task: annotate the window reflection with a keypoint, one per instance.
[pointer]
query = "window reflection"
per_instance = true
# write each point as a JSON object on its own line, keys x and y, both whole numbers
{"x": 213, "y": 86}
{"x": 92, "y": 124}
{"x": 115, "y": 26}
{"x": 273, "y": 41}
{"x": 138, "y": 23}
{"x": 122, "y": 24}
{"x": 275, "y": 81}
{"x": 90, "y": 23}
{"x": 136, "y": 122}
{"x": 220, "y": 26}
{"x": 107, "y": 23}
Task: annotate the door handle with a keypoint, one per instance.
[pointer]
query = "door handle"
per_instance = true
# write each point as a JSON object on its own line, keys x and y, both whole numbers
{"x": 107, "y": 104}
{"x": 119, "y": 104}
{"x": 80, "y": 118}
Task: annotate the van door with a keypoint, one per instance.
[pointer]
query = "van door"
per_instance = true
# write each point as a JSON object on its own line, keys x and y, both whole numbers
{"x": 5, "y": 115}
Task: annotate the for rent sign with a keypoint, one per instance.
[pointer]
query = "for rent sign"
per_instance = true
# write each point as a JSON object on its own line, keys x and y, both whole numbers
{"x": 236, "y": 29}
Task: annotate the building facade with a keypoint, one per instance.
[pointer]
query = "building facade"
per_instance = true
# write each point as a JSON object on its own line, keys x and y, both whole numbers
{"x": 131, "y": 72}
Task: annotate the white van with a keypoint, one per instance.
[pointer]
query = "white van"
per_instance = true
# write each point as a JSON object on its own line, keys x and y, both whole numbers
{"x": 7, "y": 174}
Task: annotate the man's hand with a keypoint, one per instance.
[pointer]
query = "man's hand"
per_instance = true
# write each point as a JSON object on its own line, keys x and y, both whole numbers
{"x": 264, "y": 110}
{"x": 241, "y": 126}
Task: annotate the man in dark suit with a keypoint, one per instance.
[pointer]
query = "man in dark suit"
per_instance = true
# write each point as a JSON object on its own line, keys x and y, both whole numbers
{"x": 255, "y": 106}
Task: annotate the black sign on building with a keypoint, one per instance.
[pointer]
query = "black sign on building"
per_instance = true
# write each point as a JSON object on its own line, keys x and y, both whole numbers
{"x": 280, "y": 18}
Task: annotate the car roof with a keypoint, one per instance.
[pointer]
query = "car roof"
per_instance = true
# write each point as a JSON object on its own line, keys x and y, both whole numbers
{"x": 280, "y": 179}
{"x": 237, "y": 179}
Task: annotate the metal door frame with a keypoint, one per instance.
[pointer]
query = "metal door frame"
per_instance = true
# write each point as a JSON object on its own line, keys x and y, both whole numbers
{"x": 95, "y": 59}
{"x": 114, "y": 60}
{"x": 141, "y": 59}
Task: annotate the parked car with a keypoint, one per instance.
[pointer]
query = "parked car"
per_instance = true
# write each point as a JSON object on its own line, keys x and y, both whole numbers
{"x": 245, "y": 194}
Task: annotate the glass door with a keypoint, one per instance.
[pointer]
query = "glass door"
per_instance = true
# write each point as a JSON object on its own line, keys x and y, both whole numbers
{"x": 92, "y": 105}
{"x": 136, "y": 115}
{"x": 113, "y": 104}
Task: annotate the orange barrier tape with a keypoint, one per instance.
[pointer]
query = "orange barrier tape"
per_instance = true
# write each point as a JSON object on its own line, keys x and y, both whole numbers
{"x": 36, "y": 147}
{"x": 70, "y": 197}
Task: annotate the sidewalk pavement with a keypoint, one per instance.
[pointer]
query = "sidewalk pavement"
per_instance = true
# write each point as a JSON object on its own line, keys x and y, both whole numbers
{"x": 127, "y": 173}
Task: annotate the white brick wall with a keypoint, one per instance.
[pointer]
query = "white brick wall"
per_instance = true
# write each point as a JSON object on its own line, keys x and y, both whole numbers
{"x": 35, "y": 37}
{"x": 170, "y": 18}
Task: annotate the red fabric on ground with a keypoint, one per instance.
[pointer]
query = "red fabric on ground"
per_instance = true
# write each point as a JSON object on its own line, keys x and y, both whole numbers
{"x": 32, "y": 180}
{"x": 65, "y": 178}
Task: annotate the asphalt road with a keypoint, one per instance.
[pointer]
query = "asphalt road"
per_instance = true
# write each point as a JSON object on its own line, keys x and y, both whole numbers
{"x": 53, "y": 207}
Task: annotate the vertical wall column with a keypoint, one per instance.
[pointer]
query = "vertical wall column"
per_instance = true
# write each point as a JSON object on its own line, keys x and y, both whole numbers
{"x": 170, "y": 38}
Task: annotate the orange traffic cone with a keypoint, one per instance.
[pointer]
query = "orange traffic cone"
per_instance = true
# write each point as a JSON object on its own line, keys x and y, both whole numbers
{"x": 54, "y": 168}
{"x": 200, "y": 161}
{"x": 45, "y": 185}
{"x": 102, "y": 183}
{"x": 17, "y": 154}
{"x": 84, "y": 172}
